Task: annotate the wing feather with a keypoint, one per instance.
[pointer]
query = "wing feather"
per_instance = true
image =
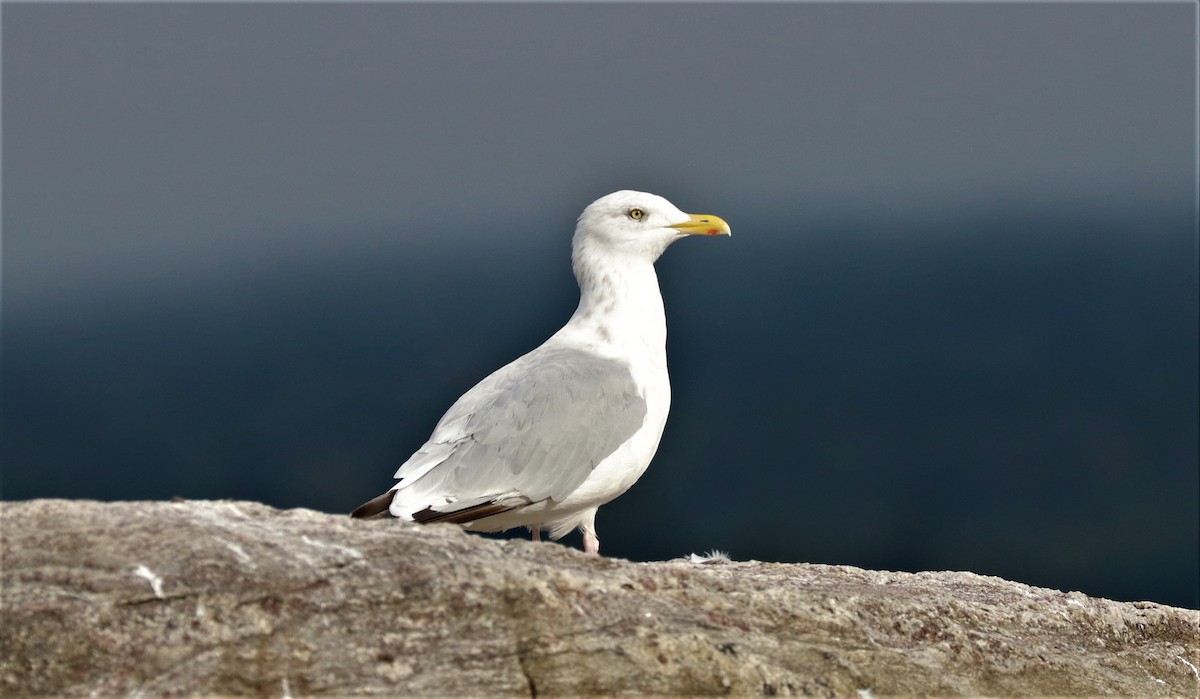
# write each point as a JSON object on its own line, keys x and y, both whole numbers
{"x": 534, "y": 429}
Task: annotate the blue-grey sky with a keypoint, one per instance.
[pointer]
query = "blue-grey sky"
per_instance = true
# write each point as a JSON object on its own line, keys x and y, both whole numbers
{"x": 149, "y": 143}
{"x": 256, "y": 250}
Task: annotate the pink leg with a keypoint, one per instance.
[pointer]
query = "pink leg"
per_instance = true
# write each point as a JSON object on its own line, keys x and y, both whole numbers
{"x": 591, "y": 543}
{"x": 537, "y": 533}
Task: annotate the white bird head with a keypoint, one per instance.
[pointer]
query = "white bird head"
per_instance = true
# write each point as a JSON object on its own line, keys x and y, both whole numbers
{"x": 639, "y": 224}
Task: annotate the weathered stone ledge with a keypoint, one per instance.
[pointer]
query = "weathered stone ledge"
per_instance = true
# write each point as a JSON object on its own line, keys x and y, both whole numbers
{"x": 203, "y": 597}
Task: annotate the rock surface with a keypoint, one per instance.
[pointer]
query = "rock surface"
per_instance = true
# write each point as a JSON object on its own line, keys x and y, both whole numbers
{"x": 210, "y": 598}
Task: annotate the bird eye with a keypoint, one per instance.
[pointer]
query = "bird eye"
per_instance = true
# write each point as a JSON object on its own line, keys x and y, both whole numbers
{"x": 636, "y": 214}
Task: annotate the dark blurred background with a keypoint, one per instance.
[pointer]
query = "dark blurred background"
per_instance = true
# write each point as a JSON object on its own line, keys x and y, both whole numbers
{"x": 255, "y": 251}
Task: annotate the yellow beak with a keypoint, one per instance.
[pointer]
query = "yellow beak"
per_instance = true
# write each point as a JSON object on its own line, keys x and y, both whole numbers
{"x": 703, "y": 224}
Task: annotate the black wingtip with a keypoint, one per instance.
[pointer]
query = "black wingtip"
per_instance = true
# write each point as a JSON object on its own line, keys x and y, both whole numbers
{"x": 375, "y": 507}
{"x": 469, "y": 514}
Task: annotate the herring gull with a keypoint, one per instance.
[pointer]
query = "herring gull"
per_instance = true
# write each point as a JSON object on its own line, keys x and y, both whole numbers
{"x": 547, "y": 439}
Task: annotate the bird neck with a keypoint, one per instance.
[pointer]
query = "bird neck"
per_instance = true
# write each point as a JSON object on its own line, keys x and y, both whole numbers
{"x": 620, "y": 307}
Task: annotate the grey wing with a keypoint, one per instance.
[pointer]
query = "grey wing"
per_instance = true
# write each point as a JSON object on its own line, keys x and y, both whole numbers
{"x": 538, "y": 426}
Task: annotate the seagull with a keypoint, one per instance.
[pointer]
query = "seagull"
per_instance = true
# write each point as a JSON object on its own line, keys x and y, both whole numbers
{"x": 546, "y": 440}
